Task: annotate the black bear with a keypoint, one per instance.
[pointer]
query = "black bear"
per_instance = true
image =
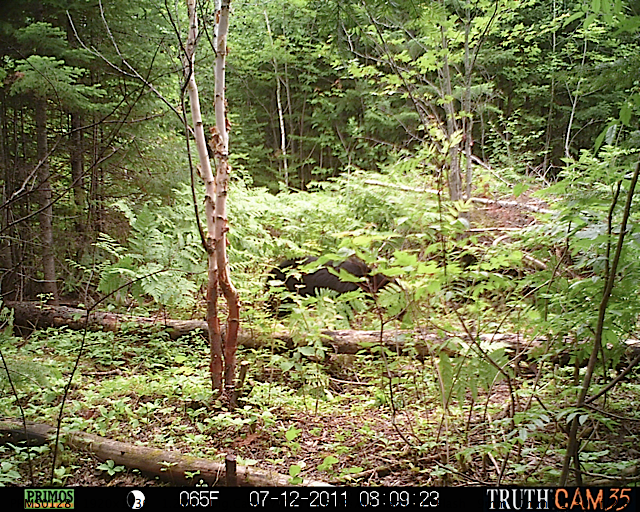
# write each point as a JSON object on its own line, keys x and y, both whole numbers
{"x": 306, "y": 284}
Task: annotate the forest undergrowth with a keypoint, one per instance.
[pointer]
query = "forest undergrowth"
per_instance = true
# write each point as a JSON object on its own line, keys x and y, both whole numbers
{"x": 470, "y": 412}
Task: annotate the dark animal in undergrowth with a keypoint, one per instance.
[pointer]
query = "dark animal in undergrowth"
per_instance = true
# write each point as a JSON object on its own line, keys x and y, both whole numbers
{"x": 308, "y": 283}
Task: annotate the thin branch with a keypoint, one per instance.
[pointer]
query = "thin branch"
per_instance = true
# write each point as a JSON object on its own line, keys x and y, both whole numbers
{"x": 572, "y": 448}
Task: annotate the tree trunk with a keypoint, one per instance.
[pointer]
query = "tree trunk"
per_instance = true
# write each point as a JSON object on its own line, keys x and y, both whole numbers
{"x": 547, "y": 160}
{"x": 283, "y": 139}
{"x": 467, "y": 120}
{"x": 216, "y": 190}
{"x": 32, "y": 315}
{"x": 223, "y": 170}
{"x": 46, "y": 196}
{"x": 213, "y": 322}
{"x": 76, "y": 159}
{"x": 7, "y": 275}
{"x": 454, "y": 179}
{"x": 95, "y": 189}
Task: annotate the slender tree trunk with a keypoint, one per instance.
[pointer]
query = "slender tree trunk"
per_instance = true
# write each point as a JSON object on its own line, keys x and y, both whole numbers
{"x": 455, "y": 178}
{"x": 94, "y": 189}
{"x": 6, "y": 259}
{"x": 46, "y": 216}
{"x": 283, "y": 138}
{"x": 550, "y": 116}
{"x": 287, "y": 85}
{"x": 466, "y": 107}
{"x": 13, "y": 282}
{"x": 546, "y": 162}
{"x": 301, "y": 145}
{"x": 76, "y": 159}
{"x": 45, "y": 194}
{"x": 4, "y": 158}
{"x": 215, "y": 341}
{"x": 574, "y": 104}
{"x": 223, "y": 171}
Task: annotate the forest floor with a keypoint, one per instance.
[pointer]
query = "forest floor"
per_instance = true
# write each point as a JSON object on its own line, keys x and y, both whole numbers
{"x": 348, "y": 420}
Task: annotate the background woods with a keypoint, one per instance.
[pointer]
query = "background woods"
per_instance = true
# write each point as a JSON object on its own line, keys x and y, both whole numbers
{"x": 478, "y": 158}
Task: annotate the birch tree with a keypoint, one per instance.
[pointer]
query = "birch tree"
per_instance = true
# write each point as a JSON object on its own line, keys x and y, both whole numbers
{"x": 223, "y": 349}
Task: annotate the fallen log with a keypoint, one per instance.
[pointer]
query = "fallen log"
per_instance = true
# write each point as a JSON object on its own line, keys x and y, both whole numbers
{"x": 169, "y": 466}
{"x": 481, "y": 200}
{"x": 34, "y": 315}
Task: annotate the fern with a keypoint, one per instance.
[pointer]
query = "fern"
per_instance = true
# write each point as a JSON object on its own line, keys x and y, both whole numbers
{"x": 163, "y": 260}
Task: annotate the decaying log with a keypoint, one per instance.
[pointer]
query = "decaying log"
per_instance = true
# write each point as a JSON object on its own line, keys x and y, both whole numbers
{"x": 169, "y": 466}
{"x": 34, "y": 315}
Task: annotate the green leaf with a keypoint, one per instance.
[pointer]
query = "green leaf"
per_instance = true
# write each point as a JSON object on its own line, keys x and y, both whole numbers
{"x": 572, "y": 18}
{"x": 345, "y": 276}
{"x": 404, "y": 259}
{"x": 48, "y": 77}
{"x": 519, "y": 189}
{"x": 625, "y": 114}
{"x": 307, "y": 351}
{"x": 589, "y": 20}
{"x": 327, "y": 463}
{"x": 292, "y": 433}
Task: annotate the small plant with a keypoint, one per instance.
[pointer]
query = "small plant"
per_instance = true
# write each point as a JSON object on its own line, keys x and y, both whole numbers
{"x": 110, "y": 467}
{"x": 290, "y": 435}
{"x": 294, "y": 471}
{"x": 327, "y": 464}
{"x": 62, "y": 473}
{"x": 9, "y": 474}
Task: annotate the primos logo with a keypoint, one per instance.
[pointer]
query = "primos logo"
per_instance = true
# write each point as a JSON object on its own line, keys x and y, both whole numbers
{"x": 48, "y": 498}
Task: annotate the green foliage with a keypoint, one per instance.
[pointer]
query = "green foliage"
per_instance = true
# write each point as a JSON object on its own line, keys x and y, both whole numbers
{"x": 110, "y": 467}
{"x": 6, "y": 320}
{"x": 9, "y": 474}
{"x": 369, "y": 91}
{"x": 163, "y": 259}
{"x": 45, "y": 72}
{"x": 26, "y": 372}
{"x": 588, "y": 227}
{"x": 475, "y": 369}
{"x": 42, "y": 38}
{"x": 288, "y": 224}
{"x": 47, "y": 77}
{"x": 561, "y": 76}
